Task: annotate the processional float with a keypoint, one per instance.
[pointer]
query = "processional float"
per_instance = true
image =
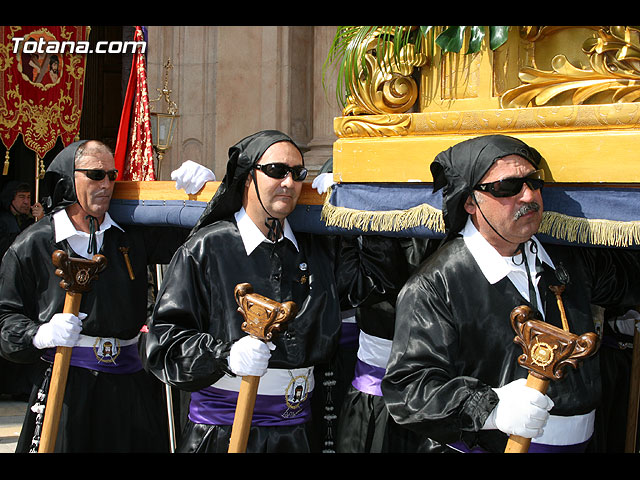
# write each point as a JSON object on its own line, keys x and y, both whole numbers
{"x": 571, "y": 92}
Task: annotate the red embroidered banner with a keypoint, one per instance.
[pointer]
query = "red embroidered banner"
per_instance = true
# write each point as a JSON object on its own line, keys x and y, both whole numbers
{"x": 134, "y": 148}
{"x": 42, "y": 72}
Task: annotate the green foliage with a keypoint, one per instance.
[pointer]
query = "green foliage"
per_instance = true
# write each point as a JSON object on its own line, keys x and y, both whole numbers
{"x": 452, "y": 39}
{"x": 347, "y": 50}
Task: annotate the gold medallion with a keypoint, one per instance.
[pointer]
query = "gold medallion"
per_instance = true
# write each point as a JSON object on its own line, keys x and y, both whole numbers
{"x": 542, "y": 353}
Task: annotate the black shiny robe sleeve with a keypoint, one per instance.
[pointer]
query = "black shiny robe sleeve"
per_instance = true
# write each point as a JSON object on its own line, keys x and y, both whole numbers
{"x": 116, "y": 305}
{"x": 376, "y": 317}
{"x": 454, "y": 342}
{"x": 371, "y": 269}
{"x": 195, "y": 320}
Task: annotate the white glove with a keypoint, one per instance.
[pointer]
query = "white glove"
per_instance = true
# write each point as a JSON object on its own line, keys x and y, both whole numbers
{"x": 192, "y": 176}
{"x": 63, "y": 330}
{"x": 521, "y": 410}
{"x": 250, "y": 356}
{"x": 323, "y": 182}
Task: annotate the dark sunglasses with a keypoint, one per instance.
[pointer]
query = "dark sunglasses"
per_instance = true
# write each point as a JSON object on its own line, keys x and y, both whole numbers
{"x": 512, "y": 186}
{"x": 281, "y": 170}
{"x": 97, "y": 174}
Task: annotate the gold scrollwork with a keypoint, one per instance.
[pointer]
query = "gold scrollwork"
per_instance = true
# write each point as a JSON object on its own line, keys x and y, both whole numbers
{"x": 374, "y": 125}
{"x": 384, "y": 83}
{"x": 614, "y": 77}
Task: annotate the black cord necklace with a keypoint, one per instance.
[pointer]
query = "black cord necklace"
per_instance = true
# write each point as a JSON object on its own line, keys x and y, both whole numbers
{"x": 93, "y": 244}
{"x": 273, "y": 224}
{"x": 533, "y": 298}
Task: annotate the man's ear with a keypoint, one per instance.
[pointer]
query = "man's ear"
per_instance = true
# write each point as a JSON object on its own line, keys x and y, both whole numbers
{"x": 470, "y": 205}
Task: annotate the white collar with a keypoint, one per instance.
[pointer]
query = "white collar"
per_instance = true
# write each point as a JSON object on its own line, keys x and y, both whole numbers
{"x": 493, "y": 265}
{"x": 65, "y": 229}
{"x": 251, "y": 234}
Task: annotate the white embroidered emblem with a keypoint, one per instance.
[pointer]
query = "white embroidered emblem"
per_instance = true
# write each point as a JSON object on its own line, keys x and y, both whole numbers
{"x": 296, "y": 392}
{"x": 106, "y": 350}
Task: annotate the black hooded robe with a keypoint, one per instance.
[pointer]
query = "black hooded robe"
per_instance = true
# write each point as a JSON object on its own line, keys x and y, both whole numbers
{"x": 195, "y": 320}
{"x": 364, "y": 424}
{"x": 102, "y": 412}
{"x": 453, "y": 339}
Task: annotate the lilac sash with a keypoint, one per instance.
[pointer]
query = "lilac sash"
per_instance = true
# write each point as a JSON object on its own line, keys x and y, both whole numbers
{"x": 368, "y": 378}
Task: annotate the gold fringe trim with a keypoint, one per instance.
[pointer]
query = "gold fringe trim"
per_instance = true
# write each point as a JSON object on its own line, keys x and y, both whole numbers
{"x": 423, "y": 215}
{"x": 607, "y": 233}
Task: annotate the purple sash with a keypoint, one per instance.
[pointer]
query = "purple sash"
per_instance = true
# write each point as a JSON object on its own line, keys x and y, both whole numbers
{"x": 349, "y": 333}
{"x": 113, "y": 359}
{"x": 534, "y": 448}
{"x": 368, "y": 378}
{"x": 214, "y": 406}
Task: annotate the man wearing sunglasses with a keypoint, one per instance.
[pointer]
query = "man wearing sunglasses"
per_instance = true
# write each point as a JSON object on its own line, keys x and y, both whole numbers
{"x": 453, "y": 373}
{"x": 111, "y": 403}
{"x": 273, "y": 188}
{"x": 195, "y": 341}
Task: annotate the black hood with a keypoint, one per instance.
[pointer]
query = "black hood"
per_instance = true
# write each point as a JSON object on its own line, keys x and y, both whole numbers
{"x": 58, "y": 182}
{"x": 460, "y": 168}
{"x": 243, "y": 156}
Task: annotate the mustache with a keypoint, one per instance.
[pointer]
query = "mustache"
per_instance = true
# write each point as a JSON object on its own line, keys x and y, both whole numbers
{"x": 526, "y": 208}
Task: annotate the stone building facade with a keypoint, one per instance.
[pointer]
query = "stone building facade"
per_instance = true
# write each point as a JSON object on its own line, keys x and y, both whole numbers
{"x": 231, "y": 81}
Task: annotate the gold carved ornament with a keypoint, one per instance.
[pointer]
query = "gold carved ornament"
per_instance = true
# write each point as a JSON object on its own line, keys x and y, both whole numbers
{"x": 614, "y": 76}
{"x": 383, "y": 84}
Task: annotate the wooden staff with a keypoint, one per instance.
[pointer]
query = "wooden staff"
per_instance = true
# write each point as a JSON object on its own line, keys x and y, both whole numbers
{"x": 634, "y": 396}
{"x": 77, "y": 274}
{"x": 547, "y": 350}
{"x": 263, "y": 318}
{"x": 168, "y": 394}
{"x": 37, "y": 178}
